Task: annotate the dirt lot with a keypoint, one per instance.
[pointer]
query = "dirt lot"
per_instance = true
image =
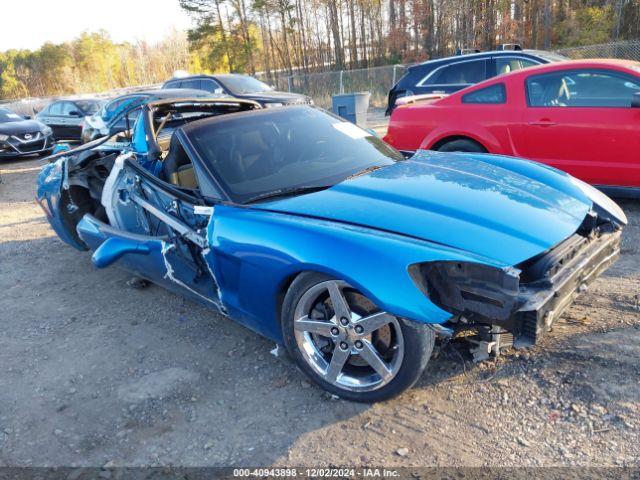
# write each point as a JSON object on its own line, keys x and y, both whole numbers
{"x": 94, "y": 372}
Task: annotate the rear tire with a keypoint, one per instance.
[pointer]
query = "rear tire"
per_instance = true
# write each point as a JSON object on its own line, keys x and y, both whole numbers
{"x": 314, "y": 334}
{"x": 462, "y": 145}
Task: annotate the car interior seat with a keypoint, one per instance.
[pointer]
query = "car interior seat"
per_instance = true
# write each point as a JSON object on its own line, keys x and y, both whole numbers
{"x": 177, "y": 166}
{"x": 506, "y": 68}
{"x": 556, "y": 93}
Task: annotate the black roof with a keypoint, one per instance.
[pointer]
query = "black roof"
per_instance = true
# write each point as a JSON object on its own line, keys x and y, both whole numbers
{"x": 209, "y": 75}
{"x": 168, "y": 93}
{"x": 538, "y": 54}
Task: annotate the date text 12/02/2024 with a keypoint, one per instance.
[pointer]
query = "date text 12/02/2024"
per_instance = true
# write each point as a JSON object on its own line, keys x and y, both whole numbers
{"x": 317, "y": 472}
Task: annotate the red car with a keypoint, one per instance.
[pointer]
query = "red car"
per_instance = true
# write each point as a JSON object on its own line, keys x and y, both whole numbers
{"x": 582, "y": 117}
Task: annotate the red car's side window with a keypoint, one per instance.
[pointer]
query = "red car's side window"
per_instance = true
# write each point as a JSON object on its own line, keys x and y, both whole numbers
{"x": 582, "y": 88}
{"x": 493, "y": 94}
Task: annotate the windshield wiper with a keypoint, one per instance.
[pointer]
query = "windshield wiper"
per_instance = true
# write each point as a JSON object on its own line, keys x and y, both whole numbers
{"x": 283, "y": 192}
{"x": 370, "y": 169}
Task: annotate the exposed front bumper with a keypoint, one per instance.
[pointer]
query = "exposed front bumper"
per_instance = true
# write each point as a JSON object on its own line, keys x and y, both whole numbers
{"x": 543, "y": 301}
{"x": 17, "y": 147}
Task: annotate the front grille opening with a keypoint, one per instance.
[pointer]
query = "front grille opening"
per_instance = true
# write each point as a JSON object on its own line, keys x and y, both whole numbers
{"x": 549, "y": 263}
{"x": 474, "y": 297}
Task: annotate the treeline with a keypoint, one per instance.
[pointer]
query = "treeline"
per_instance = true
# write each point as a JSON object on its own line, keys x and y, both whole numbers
{"x": 281, "y": 37}
{"x": 90, "y": 63}
{"x": 311, "y": 35}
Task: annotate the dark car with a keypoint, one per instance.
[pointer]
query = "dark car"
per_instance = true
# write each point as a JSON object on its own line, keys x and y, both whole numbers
{"x": 239, "y": 86}
{"x": 107, "y": 119}
{"x": 66, "y": 117}
{"x": 21, "y": 136}
{"x": 450, "y": 74}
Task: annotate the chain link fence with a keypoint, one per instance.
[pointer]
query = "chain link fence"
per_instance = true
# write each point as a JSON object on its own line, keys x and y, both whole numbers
{"x": 628, "y": 50}
{"x": 322, "y": 86}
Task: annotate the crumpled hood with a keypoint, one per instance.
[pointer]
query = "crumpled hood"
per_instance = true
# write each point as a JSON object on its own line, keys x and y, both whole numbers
{"x": 458, "y": 200}
{"x": 20, "y": 126}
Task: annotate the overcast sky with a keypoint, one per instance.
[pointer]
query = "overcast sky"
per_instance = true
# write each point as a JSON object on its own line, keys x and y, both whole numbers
{"x": 30, "y": 23}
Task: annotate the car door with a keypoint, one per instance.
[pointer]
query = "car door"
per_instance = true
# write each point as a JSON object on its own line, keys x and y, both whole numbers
{"x": 73, "y": 118}
{"x": 453, "y": 77}
{"x": 52, "y": 116}
{"x": 581, "y": 121}
{"x": 156, "y": 230}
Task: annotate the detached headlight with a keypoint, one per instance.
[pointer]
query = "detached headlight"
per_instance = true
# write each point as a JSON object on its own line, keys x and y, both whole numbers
{"x": 272, "y": 105}
{"x": 469, "y": 289}
{"x": 46, "y": 131}
{"x": 600, "y": 200}
{"x": 4, "y": 138}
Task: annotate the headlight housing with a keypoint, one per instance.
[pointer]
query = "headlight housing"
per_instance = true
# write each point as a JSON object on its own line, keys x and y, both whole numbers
{"x": 600, "y": 200}
{"x": 469, "y": 289}
{"x": 4, "y": 138}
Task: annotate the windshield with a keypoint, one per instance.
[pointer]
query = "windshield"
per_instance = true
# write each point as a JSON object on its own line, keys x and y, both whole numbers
{"x": 241, "y": 84}
{"x": 89, "y": 106}
{"x": 8, "y": 116}
{"x": 275, "y": 151}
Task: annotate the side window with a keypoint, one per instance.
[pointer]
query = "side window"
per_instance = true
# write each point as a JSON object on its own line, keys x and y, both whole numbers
{"x": 68, "y": 107}
{"x": 493, "y": 94}
{"x": 55, "y": 109}
{"x": 209, "y": 85}
{"x": 191, "y": 83}
{"x": 511, "y": 64}
{"x": 173, "y": 84}
{"x": 462, "y": 73}
{"x": 581, "y": 88}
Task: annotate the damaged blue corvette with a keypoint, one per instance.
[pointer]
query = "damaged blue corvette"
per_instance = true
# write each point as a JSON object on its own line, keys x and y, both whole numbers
{"x": 316, "y": 234}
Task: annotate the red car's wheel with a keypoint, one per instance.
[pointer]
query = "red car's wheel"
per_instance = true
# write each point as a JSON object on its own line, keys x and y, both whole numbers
{"x": 462, "y": 145}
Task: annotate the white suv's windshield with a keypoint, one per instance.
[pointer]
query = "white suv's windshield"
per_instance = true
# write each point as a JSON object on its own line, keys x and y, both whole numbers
{"x": 269, "y": 153}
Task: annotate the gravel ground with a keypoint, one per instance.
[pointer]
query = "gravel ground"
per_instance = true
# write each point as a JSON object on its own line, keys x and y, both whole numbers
{"x": 97, "y": 373}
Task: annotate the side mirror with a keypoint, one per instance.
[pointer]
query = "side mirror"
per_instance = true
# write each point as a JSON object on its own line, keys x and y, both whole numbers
{"x": 635, "y": 100}
{"x": 218, "y": 91}
{"x": 74, "y": 113}
{"x": 113, "y": 248}
{"x": 27, "y": 117}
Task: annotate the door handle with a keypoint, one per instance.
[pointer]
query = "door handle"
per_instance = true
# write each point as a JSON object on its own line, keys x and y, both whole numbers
{"x": 545, "y": 122}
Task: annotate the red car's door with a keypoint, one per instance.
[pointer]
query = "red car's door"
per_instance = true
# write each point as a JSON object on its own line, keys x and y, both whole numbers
{"x": 581, "y": 121}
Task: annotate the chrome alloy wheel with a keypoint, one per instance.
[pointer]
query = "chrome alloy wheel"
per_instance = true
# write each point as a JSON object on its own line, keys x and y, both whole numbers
{"x": 345, "y": 339}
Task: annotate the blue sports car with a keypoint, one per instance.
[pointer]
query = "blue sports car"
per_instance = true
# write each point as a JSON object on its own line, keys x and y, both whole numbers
{"x": 316, "y": 234}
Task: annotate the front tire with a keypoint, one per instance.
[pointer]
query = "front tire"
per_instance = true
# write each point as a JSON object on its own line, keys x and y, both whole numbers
{"x": 347, "y": 345}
